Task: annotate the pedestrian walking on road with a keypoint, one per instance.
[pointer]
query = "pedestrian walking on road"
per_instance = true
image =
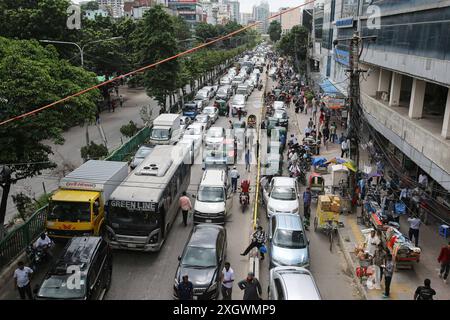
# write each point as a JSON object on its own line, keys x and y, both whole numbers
{"x": 113, "y": 106}
{"x": 307, "y": 203}
{"x": 247, "y": 160}
{"x": 251, "y": 286}
{"x": 414, "y": 225}
{"x": 424, "y": 292}
{"x": 378, "y": 261}
{"x": 97, "y": 117}
{"x": 22, "y": 280}
{"x": 185, "y": 205}
{"x": 185, "y": 289}
{"x": 227, "y": 281}
{"x": 344, "y": 148}
{"x": 239, "y": 112}
{"x": 234, "y": 175}
{"x": 388, "y": 273}
{"x": 310, "y": 123}
{"x": 258, "y": 240}
{"x": 121, "y": 101}
{"x": 444, "y": 260}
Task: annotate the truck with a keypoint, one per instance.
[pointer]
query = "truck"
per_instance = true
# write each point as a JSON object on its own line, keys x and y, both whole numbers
{"x": 166, "y": 129}
{"x": 77, "y": 208}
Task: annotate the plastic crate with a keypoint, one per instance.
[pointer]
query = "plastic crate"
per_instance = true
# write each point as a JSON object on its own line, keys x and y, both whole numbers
{"x": 444, "y": 230}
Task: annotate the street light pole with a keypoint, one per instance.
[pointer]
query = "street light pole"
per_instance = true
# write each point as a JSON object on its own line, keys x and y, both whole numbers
{"x": 81, "y": 49}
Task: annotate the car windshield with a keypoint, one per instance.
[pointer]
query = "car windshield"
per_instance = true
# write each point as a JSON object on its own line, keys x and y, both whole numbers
{"x": 290, "y": 239}
{"x": 280, "y": 115}
{"x": 210, "y": 194}
{"x": 201, "y": 95}
{"x": 199, "y": 257}
{"x": 222, "y": 91}
{"x": 143, "y": 152}
{"x": 283, "y": 193}
{"x": 201, "y": 118}
{"x": 70, "y": 211}
{"x": 135, "y": 219}
{"x": 215, "y": 133}
{"x": 61, "y": 287}
{"x": 208, "y": 111}
{"x": 190, "y": 108}
{"x": 239, "y": 99}
{"x": 160, "y": 133}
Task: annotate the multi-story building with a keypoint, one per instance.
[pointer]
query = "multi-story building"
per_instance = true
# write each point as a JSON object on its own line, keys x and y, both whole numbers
{"x": 261, "y": 12}
{"x": 234, "y": 7}
{"x": 190, "y": 10}
{"x": 115, "y": 7}
{"x": 245, "y": 18}
{"x": 405, "y": 91}
{"x": 135, "y": 9}
{"x": 289, "y": 19}
{"x": 217, "y": 12}
{"x": 91, "y": 14}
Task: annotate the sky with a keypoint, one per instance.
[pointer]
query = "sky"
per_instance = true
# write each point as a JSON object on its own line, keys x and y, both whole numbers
{"x": 247, "y": 5}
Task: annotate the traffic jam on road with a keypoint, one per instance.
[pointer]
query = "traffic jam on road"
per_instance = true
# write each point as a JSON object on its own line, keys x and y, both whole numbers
{"x": 199, "y": 168}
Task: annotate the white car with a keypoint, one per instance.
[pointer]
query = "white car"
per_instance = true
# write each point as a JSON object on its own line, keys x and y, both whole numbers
{"x": 196, "y": 132}
{"x": 211, "y": 91}
{"x": 238, "y": 103}
{"x": 225, "y": 81}
{"x": 212, "y": 112}
{"x": 292, "y": 283}
{"x": 278, "y": 105}
{"x": 203, "y": 97}
{"x": 281, "y": 195}
{"x": 214, "y": 137}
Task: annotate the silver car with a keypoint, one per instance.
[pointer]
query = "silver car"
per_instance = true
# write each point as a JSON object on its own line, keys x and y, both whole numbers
{"x": 203, "y": 96}
{"x": 140, "y": 156}
{"x": 288, "y": 243}
{"x": 292, "y": 283}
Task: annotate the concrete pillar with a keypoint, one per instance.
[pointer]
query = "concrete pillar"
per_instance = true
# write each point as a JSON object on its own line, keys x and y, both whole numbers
{"x": 396, "y": 85}
{"x": 383, "y": 80}
{"x": 446, "y": 124}
{"x": 370, "y": 86}
{"x": 417, "y": 99}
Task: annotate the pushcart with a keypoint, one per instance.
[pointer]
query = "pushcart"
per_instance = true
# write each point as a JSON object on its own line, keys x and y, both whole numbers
{"x": 316, "y": 185}
{"x": 327, "y": 216}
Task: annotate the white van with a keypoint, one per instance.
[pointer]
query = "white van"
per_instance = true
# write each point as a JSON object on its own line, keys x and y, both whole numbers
{"x": 213, "y": 200}
{"x": 166, "y": 129}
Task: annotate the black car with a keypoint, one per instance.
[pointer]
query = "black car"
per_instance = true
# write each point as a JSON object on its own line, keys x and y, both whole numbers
{"x": 203, "y": 260}
{"x": 82, "y": 272}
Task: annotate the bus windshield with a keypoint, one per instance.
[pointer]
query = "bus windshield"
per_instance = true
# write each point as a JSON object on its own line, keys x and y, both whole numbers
{"x": 127, "y": 218}
{"x": 70, "y": 211}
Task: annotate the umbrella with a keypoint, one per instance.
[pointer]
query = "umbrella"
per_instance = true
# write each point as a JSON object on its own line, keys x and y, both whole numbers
{"x": 337, "y": 160}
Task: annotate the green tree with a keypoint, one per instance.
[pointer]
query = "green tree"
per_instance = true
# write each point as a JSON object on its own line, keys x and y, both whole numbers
{"x": 93, "y": 151}
{"x": 275, "y": 31}
{"x": 91, "y": 5}
{"x": 205, "y": 31}
{"x": 37, "y": 19}
{"x": 154, "y": 41}
{"x": 32, "y": 76}
{"x": 294, "y": 44}
{"x": 129, "y": 129}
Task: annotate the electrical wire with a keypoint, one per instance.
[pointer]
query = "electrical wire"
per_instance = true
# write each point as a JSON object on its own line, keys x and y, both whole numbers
{"x": 186, "y": 52}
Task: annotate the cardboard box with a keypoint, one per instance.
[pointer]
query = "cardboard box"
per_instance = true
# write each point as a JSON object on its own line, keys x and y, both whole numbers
{"x": 335, "y": 207}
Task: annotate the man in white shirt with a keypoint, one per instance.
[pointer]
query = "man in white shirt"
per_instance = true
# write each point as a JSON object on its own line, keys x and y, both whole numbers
{"x": 227, "y": 281}
{"x": 234, "y": 175}
{"x": 344, "y": 148}
{"x": 423, "y": 180}
{"x": 22, "y": 276}
{"x": 372, "y": 243}
{"x": 414, "y": 225}
{"x": 293, "y": 140}
{"x": 43, "y": 242}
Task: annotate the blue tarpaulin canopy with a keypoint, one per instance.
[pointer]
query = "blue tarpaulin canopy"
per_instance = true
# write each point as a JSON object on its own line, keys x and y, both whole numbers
{"x": 319, "y": 161}
{"x": 328, "y": 87}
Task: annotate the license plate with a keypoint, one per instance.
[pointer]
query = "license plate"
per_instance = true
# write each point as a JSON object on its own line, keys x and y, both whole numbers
{"x": 208, "y": 220}
{"x": 131, "y": 245}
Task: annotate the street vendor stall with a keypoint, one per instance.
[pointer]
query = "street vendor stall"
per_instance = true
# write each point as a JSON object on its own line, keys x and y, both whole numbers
{"x": 403, "y": 251}
{"x": 339, "y": 176}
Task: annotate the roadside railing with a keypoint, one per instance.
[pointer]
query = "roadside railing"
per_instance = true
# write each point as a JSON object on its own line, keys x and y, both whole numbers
{"x": 18, "y": 239}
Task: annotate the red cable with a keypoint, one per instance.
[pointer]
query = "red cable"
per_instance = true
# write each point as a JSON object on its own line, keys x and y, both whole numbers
{"x": 149, "y": 66}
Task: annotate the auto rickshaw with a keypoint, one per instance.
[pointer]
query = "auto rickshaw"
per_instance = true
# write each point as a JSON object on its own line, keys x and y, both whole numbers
{"x": 316, "y": 185}
{"x": 251, "y": 121}
{"x": 222, "y": 105}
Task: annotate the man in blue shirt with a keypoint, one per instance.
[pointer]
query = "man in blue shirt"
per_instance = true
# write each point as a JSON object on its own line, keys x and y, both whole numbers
{"x": 307, "y": 203}
{"x": 185, "y": 289}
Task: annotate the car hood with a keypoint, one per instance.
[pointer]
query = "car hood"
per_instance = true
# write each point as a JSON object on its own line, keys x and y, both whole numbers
{"x": 283, "y": 205}
{"x": 200, "y": 277}
{"x": 289, "y": 257}
{"x": 209, "y": 207}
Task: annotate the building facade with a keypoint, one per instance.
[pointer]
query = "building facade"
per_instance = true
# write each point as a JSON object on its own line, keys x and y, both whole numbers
{"x": 234, "y": 8}
{"x": 114, "y": 7}
{"x": 261, "y": 13}
{"x": 190, "y": 10}
{"x": 289, "y": 19}
{"x": 405, "y": 93}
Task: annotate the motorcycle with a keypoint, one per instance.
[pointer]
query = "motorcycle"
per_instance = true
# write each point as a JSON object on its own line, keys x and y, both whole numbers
{"x": 244, "y": 200}
{"x": 36, "y": 256}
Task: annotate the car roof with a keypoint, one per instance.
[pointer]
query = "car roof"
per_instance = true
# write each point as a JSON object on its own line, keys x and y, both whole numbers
{"x": 283, "y": 181}
{"x": 78, "y": 251}
{"x": 288, "y": 221}
{"x": 299, "y": 283}
{"x": 216, "y": 129}
{"x": 205, "y": 236}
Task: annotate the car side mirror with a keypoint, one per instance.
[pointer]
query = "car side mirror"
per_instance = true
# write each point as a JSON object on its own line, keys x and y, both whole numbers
{"x": 179, "y": 258}
{"x": 194, "y": 196}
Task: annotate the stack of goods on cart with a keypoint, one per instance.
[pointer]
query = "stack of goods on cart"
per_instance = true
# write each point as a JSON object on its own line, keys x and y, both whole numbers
{"x": 326, "y": 207}
{"x": 401, "y": 248}
{"x": 335, "y": 203}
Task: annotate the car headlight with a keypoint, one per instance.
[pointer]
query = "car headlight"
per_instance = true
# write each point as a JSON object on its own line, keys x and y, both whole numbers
{"x": 212, "y": 287}
{"x": 270, "y": 208}
{"x": 294, "y": 210}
